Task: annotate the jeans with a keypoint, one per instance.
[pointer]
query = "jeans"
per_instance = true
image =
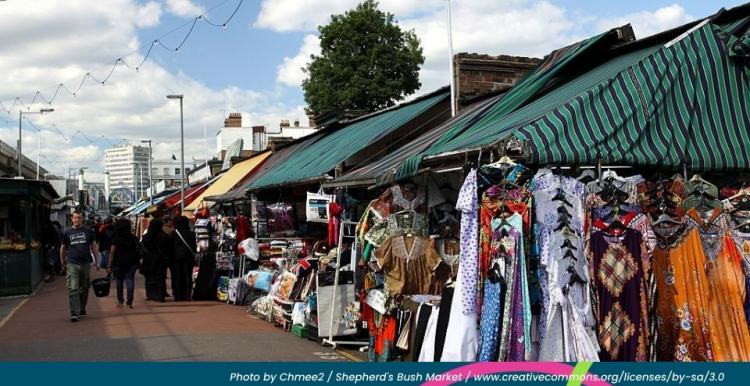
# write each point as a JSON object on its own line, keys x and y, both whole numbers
{"x": 105, "y": 259}
{"x": 78, "y": 280}
{"x": 126, "y": 275}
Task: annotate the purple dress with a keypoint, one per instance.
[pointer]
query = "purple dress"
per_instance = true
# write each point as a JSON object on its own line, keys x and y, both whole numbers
{"x": 620, "y": 291}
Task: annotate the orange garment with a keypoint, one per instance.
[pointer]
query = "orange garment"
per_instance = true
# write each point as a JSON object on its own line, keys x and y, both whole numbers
{"x": 682, "y": 300}
{"x": 730, "y": 338}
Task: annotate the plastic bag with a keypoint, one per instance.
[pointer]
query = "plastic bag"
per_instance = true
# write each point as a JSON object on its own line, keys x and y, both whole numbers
{"x": 298, "y": 314}
{"x": 316, "y": 207}
{"x": 249, "y": 248}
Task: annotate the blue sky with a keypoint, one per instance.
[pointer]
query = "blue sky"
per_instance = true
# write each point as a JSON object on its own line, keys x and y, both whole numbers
{"x": 252, "y": 66}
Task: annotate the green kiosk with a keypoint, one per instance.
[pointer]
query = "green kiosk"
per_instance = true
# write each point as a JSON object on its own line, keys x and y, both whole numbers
{"x": 24, "y": 209}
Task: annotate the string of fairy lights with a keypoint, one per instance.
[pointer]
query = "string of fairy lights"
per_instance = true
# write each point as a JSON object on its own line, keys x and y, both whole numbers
{"x": 90, "y": 78}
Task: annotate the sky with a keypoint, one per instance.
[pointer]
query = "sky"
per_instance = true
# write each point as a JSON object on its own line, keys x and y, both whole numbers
{"x": 252, "y": 65}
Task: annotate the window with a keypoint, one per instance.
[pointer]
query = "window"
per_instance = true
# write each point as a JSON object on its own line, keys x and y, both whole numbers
{"x": 166, "y": 171}
{"x": 154, "y": 171}
{"x": 177, "y": 171}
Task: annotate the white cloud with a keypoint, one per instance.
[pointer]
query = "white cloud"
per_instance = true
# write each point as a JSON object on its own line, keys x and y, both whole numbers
{"x": 646, "y": 23}
{"x": 184, "y": 8}
{"x": 290, "y": 72}
{"x": 512, "y": 27}
{"x": 295, "y": 15}
{"x": 80, "y": 36}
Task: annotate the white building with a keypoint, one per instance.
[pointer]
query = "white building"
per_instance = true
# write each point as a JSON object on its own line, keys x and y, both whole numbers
{"x": 255, "y": 138}
{"x": 169, "y": 171}
{"x": 127, "y": 166}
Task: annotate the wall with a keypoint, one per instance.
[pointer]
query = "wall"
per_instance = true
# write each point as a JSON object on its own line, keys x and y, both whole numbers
{"x": 480, "y": 74}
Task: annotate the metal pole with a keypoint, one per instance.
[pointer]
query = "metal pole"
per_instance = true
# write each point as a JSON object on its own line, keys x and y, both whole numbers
{"x": 150, "y": 176}
{"x": 20, "y": 114}
{"x": 182, "y": 160}
{"x": 38, "y": 150}
{"x": 205, "y": 151}
{"x": 450, "y": 60}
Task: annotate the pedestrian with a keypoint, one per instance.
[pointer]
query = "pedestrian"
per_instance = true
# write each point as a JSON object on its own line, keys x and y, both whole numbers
{"x": 58, "y": 268}
{"x": 184, "y": 256}
{"x": 105, "y": 232}
{"x": 124, "y": 260}
{"x": 78, "y": 246}
{"x": 166, "y": 246}
{"x": 153, "y": 263}
{"x": 50, "y": 239}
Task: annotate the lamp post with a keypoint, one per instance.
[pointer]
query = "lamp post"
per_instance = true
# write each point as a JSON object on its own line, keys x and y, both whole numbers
{"x": 182, "y": 153}
{"x": 20, "y": 130}
{"x": 150, "y": 172}
{"x": 138, "y": 186}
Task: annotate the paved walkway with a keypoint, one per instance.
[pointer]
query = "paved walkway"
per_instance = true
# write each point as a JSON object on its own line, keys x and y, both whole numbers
{"x": 40, "y": 330}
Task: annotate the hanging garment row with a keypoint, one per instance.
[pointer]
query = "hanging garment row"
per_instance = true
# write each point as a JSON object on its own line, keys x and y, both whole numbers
{"x": 570, "y": 268}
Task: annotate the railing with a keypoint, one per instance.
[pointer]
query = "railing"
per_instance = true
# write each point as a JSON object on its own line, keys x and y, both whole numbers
{"x": 10, "y": 152}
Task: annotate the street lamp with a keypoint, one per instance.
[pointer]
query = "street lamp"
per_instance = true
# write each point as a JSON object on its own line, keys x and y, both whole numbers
{"x": 140, "y": 180}
{"x": 150, "y": 171}
{"x": 20, "y": 119}
{"x": 182, "y": 153}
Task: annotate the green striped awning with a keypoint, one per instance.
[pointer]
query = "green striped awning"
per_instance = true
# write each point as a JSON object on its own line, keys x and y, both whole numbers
{"x": 686, "y": 103}
{"x": 535, "y": 81}
{"x": 334, "y": 147}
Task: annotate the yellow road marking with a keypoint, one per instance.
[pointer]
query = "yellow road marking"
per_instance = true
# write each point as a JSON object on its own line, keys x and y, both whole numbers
{"x": 10, "y": 315}
{"x": 348, "y": 356}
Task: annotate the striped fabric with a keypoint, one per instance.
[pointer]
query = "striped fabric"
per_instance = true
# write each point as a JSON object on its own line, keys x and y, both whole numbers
{"x": 687, "y": 103}
{"x": 541, "y": 76}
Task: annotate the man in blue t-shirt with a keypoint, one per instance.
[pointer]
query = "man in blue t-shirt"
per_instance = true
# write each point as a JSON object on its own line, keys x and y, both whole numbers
{"x": 78, "y": 246}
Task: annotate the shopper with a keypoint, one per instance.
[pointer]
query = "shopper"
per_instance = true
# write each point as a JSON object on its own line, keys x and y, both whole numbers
{"x": 75, "y": 256}
{"x": 184, "y": 256}
{"x": 154, "y": 262}
{"x": 166, "y": 246}
{"x": 105, "y": 232}
{"x": 124, "y": 260}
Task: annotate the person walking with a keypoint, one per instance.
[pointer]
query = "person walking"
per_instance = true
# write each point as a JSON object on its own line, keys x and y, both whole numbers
{"x": 105, "y": 232}
{"x": 78, "y": 245}
{"x": 124, "y": 260}
{"x": 153, "y": 264}
{"x": 166, "y": 246}
{"x": 184, "y": 256}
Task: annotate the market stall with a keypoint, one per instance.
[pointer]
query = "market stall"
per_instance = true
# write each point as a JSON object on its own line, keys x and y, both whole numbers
{"x": 24, "y": 210}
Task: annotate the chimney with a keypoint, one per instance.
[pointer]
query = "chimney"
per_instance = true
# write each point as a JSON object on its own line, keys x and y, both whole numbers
{"x": 478, "y": 74}
{"x": 296, "y": 122}
{"x": 284, "y": 123}
{"x": 234, "y": 120}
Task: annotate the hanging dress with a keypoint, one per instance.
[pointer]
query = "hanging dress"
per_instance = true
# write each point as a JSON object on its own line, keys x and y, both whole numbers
{"x": 682, "y": 295}
{"x": 621, "y": 294}
{"x": 730, "y": 339}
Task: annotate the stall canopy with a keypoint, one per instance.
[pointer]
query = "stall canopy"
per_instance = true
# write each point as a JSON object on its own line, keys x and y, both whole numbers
{"x": 234, "y": 176}
{"x": 684, "y": 103}
{"x": 383, "y": 171}
{"x": 543, "y": 77}
{"x": 190, "y": 194}
{"x": 336, "y": 146}
{"x": 277, "y": 157}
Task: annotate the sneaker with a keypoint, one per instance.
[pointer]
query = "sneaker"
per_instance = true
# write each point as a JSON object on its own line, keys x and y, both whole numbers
{"x": 82, "y": 315}
{"x": 119, "y": 305}
{"x": 130, "y": 306}
{"x": 73, "y": 318}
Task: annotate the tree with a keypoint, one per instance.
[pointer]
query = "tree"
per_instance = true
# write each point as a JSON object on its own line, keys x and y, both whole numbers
{"x": 366, "y": 63}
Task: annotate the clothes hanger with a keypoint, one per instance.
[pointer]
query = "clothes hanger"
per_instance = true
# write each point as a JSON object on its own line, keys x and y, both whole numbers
{"x": 586, "y": 176}
{"x": 568, "y": 244}
{"x": 575, "y": 278}
{"x": 666, "y": 219}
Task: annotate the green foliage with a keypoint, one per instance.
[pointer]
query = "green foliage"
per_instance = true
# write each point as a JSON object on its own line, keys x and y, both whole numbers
{"x": 367, "y": 62}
